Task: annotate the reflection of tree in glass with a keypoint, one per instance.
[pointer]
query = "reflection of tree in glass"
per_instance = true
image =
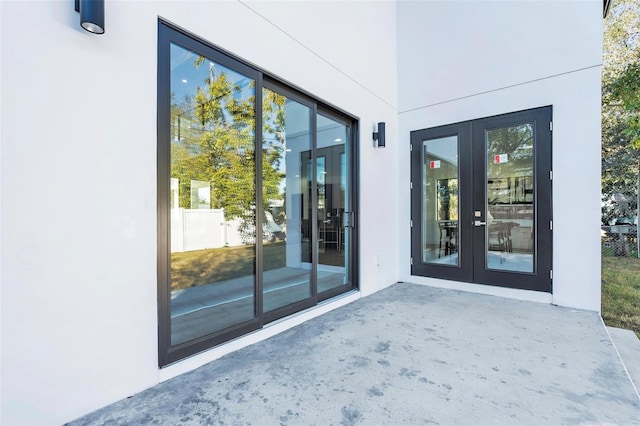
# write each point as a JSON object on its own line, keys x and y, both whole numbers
{"x": 447, "y": 199}
{"x": 213, "y": 140}
{"x": 516, "y": 141}
{"x": 509, "y": 181}
{"x": 273, "y": 149}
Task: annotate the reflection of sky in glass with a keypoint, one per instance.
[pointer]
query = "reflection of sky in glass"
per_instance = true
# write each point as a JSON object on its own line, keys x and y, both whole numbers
{"x": 296, "y": 132}
{"x": 186, "y": 77}
{"x": 330, "y": 132}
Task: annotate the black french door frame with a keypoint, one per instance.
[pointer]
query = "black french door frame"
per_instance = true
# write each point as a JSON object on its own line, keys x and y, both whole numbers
{"x": 541, "y": 278}
{"x": 167, "y": 353}
{"x": 472, "y": 191}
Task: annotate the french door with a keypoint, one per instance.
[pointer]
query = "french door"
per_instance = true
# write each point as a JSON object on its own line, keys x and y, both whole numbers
{"x": 481, "y": 201}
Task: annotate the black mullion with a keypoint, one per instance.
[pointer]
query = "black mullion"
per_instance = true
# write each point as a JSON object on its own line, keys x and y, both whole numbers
{"x": 314, "y": 204}
{"x": 259, "y": 252}
{"x": 415, "y": 196}
{"x": 163, "y": 171}
{"x": 479, "y": 200}
{"x": 543, "y": 193}
{"x": 354, "y": 203}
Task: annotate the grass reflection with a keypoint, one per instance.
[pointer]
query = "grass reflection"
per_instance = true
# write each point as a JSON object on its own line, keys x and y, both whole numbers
{"x": 199, "y": 267}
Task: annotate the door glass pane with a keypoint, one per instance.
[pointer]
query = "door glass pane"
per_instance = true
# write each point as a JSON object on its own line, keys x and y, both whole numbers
{"x": 510, "y": 199}
{"x": 332, "y": 186}
{"x": 287, "y": 234}
{"x": 440, "y": 207}
{"x": 212, "y": 196}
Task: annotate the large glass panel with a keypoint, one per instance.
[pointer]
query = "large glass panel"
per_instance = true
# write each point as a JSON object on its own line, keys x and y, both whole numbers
{"x": 287, "y": 234}
{"x": 510, "y": 201}
{"x": 440, "y": 209}
{"x": 213, "y": 196}
{"x": 333, "y": 192}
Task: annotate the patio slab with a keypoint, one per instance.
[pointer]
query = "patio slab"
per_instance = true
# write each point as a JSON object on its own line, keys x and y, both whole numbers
{"x": 628, "y": 346}
{"x": 409, "y": 354}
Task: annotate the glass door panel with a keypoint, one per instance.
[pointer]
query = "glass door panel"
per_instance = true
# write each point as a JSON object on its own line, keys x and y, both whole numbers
{"x": 286, "y": 230}
{"x": 510, "y": 205}
{"x": 481, "y": 205}
{"x": 440, "y": 204}
{"x": 254, "y": 180}
{"x": 332, "y": 184}
{"x": 212, "y": 196}
{"x": 512, "y": 198}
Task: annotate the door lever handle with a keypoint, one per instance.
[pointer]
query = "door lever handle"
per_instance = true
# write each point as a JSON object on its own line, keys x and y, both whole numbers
{"x": 479, "y": 223}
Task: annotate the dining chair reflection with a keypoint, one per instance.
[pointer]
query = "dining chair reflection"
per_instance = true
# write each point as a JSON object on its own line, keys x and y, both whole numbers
{"x": 448, "y": 237}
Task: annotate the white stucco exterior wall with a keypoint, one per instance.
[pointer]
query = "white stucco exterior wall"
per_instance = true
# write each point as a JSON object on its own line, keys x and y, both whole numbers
{"x": 460, "y": 61}
{"x": 78, "y": 277}
{"x": 79, "y": 306}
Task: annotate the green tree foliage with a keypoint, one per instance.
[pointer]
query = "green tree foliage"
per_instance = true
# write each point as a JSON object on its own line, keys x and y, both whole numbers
{"x": 213, "y": 141}
{"x": 625, "y": 89}
{"x": 620, "y": 111}
{"x": 274, "y": 144}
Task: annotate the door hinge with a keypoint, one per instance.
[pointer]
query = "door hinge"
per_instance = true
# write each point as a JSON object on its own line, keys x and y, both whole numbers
{"x": 550, "y": 225}
{"x": 550, "y": 174}
{"x": 411, "y": 222}
{"x": 551, "y": 274}
{"x": 551, "y": 126}
{"x": 411, "y": 147}
{"x": 411, "y": 260}
{"x": 410, "y": 185}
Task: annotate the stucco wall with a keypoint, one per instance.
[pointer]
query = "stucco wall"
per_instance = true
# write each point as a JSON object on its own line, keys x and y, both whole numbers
{"x": 459, "y": 61}
{"x": 78, "y": 277}
{"x": 79, "y": 307}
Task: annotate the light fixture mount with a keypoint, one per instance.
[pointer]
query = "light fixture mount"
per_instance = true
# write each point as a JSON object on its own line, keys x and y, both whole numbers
{"x": 379, "y": 136}
{"x": 91, "y": 15}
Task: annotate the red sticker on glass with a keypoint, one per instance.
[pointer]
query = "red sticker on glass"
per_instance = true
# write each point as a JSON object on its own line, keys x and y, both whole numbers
{"x": 501, "y": 158}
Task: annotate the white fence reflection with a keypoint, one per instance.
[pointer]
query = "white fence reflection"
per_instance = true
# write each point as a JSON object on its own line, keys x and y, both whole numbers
{"x": 198, "y": 229}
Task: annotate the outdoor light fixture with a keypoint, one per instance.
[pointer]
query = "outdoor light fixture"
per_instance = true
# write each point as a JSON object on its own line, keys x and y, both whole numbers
{"x": 91, "y": 15}
{"x": 379, "y": 135}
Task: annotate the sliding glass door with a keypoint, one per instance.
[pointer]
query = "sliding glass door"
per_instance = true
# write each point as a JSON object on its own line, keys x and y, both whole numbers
{"x": 287, "y": 133}
{"x": 333, "y": 204}
{"x": 256, "y": 198}
{"x": 212, "y": 193}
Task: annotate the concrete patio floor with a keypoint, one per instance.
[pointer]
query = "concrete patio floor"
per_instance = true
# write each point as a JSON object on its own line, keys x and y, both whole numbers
{"x": 409, "y": 354}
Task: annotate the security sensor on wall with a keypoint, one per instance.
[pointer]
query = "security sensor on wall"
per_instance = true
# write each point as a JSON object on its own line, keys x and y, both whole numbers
{"x": 379, "y": 135}
{"x": 91, "y": 15}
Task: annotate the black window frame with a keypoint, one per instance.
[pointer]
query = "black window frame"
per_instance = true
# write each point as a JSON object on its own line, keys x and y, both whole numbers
{"x": 169, "y": 33}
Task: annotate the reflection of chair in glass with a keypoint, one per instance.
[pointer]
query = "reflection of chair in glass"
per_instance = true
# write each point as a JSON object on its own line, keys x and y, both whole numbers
{"x": 496, "y": 239}
{"x": 499, "y": 238}
{"x": 448, "y": 237}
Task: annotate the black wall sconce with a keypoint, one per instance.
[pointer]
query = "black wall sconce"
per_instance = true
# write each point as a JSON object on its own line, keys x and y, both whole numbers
{"x": 91, "y": 15}
{"x": 379, "y": 135}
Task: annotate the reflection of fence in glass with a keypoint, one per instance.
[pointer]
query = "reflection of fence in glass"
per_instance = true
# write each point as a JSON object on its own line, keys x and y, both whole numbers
{"x": 510, "y": 190}
{"x": 199, "y": 229}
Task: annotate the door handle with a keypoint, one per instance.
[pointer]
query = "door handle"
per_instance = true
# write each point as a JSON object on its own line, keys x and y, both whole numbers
{"x": 479, "y": 223}
{"x": 349, "y": 219}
